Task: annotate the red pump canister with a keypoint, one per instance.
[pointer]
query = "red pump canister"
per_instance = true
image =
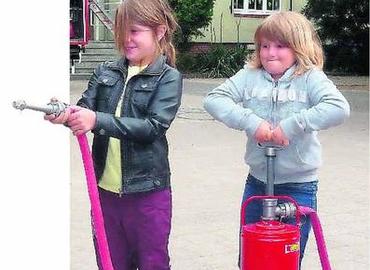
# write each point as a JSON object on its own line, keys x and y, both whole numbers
{"x": 270, "y": 245}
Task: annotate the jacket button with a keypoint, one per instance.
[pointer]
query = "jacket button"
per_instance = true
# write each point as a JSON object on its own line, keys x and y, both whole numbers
{"x": 157, "y": 182}
{"x": 102, "y": 132}
{"x": 105, "y": 80}
{"x": 144, "y": 85}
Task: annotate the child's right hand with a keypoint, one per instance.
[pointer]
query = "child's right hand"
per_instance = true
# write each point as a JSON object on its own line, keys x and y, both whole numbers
{"x": 61, "y": 118}
{"x": 263, "y": 133}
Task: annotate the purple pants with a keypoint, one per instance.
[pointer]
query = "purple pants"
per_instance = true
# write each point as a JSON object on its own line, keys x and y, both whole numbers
{"x": 138, "y": 228}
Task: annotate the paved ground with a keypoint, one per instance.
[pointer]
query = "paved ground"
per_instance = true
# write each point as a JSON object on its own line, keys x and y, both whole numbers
{"x": 208, "y": 179}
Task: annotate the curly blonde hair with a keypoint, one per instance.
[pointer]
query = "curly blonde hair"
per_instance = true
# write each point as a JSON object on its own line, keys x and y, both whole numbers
{"x": 151, "y": 13}
{"x": 297, "y": 32}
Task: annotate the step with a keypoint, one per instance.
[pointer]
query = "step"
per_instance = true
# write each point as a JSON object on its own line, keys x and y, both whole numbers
{"x": 89, "y": 64}
{"x": 100, "y": 51}
{"x": 103, "y": 51}
{"x": 84, "y": 70}
{"x": 98, "y": 57}
{"x": 79, "y": 76}
{"x": 101, "y": 44}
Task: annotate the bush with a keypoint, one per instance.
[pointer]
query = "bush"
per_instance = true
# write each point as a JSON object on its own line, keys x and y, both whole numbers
{"x": 185, "y": 62}
{"x": 346, "y": 59}
{"x": 192, "y": 16}
{"x": 343, "y": 27}
{"x": 219, "y": 61}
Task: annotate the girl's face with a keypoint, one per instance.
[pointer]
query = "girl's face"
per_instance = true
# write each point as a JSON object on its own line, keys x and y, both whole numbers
{"x": 140, "y": 46}
{"x": 276, "y": 57}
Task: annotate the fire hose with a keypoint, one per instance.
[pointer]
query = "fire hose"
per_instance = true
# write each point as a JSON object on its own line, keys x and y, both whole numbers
{"x": 56, "y": 107}
{"x": 319, "y": 236}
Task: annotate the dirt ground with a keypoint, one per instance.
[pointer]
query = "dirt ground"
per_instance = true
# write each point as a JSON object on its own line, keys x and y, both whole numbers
{"x": 342, "y": 82}
{"x": 351, "y": 82}
{"x": 208, "y": 178}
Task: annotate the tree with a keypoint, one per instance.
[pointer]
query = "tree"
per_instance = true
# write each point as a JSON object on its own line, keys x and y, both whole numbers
{"x": 343, "y": 26}
{"x": 192, "y": 15}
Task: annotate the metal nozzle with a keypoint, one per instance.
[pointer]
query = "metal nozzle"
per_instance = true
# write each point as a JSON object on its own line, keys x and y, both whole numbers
{"x": 286, "y": 210}
{"x": 19, "y": 104}
{"x": 54, "y": 107}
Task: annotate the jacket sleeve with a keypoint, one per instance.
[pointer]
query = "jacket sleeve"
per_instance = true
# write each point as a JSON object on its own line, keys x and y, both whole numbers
{"x": 161, "y": 112}
{"x": 328, "y": 107}
{"x": 224, "y": 104}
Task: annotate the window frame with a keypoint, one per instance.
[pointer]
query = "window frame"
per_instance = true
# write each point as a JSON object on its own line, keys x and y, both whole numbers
{"x": 246, "y": 11}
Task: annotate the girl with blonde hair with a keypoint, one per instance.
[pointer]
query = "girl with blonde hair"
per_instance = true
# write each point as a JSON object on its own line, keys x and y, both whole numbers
{"x": 295, "y": 31}
{"x": 129, "y": 105}
{"x": 281, "y": 97}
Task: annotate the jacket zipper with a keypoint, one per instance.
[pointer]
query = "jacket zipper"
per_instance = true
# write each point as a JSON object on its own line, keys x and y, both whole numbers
{"x": 274, "y": 99}
{"x": 123, "y": 145}
{"x": 125, "y": 96}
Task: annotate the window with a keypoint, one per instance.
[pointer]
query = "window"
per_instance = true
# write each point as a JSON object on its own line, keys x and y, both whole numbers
{"x": 256, "y": 7}
{"x": 238, "y": 4}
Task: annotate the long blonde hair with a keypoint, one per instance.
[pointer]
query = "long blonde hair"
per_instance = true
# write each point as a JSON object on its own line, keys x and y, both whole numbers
{"x": 294, "y": 30}
{"x": 151, "y": 13}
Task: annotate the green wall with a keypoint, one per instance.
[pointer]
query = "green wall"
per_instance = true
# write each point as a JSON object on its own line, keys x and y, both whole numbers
{"x": 224, "y": 25}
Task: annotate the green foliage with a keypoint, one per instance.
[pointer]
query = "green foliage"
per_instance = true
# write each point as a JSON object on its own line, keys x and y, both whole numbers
{"x": 186, "y": 62}
{"x": 219, "y": 61}
{"x": 192, "y": 15}
{"x": 343, "y": 27}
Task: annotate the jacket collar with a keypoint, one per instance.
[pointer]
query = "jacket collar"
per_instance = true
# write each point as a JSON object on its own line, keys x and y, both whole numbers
{"x": 155, "y": 68}
{"x": 287, "y": 76}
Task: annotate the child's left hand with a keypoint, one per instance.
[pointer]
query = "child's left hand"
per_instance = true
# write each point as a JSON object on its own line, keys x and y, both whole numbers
{"x": 81, "y": 120}
{"x": 263, "y": 133}
{"x": 278, "y": 137}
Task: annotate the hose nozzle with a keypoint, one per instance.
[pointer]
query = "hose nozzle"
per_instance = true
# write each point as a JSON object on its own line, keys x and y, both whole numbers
{"x": 54, "y": 107}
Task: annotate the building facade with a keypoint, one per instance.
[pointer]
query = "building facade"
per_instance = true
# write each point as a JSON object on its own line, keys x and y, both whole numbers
{"x": 233, "y": 21}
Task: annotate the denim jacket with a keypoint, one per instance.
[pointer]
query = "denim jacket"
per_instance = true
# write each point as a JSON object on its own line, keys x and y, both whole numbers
{"x": 301, "y": 105}
{"x": 149, "y": 105}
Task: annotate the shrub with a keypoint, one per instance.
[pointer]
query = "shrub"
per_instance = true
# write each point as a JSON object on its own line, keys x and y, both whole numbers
{"x": 185, "y": 62}
{"x": 343, "y": 27}
{"x": 218, "y": 62}
{"x": 222, "y": 61}
{"x": 345, "y": 59}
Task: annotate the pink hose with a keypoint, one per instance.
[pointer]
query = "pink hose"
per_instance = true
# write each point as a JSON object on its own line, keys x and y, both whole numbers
{"x": 320, "y": 242}
{"x": 96, "y": 211}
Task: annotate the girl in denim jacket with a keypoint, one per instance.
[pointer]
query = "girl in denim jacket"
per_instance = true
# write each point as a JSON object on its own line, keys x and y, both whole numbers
{"x": 129, "y": 105}
{"x": 283, "y": 97}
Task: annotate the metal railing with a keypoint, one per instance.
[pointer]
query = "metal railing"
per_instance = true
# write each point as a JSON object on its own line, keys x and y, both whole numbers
{"x": 100, "y": 30}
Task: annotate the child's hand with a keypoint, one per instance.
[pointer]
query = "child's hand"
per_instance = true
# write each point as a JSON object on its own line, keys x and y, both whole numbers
{"x": 278, "y": 137}
{"x": 61, "y": 118}
{"x": 81, "y": 120}
{"x": 263, "y": 133}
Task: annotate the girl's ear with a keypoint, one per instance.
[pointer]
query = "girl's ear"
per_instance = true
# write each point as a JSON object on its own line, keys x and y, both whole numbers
{"x": 161, "y": 30}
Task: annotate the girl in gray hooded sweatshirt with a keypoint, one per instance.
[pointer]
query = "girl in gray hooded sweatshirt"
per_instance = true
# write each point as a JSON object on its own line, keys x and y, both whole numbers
{"x": 282, "y": 97}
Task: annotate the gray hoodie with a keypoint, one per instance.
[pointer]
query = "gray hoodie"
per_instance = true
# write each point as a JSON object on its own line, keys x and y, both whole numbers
{"x": 301, "y": 105}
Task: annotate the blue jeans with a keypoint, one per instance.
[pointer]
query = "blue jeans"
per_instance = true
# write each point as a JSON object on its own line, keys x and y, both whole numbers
{"x": 303, "y": 193}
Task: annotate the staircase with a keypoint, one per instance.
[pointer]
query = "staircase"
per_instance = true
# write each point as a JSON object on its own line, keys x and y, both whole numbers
{"x": 96, "y": 52}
